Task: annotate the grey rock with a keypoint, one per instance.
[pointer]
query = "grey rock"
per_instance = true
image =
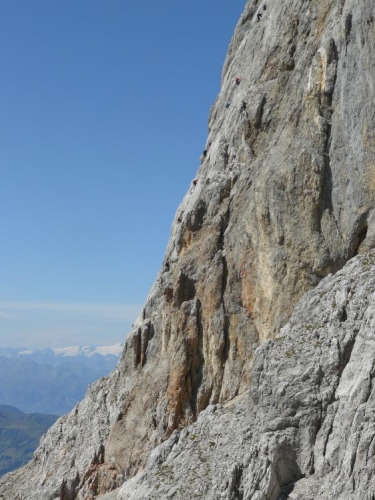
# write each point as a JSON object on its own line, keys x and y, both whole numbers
{"x": 305, "y": 430}
{"x": 283, "y": 198}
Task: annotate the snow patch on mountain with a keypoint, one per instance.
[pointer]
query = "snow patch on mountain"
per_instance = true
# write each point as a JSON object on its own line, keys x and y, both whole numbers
{"x": 88, "y": 351}
{"x": 70, "y": 351}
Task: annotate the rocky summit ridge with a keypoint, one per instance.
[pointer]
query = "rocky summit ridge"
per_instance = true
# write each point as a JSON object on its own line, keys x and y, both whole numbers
{"x": 203, "y": 403}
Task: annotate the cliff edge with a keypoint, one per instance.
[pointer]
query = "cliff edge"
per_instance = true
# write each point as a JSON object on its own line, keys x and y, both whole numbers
{"x": 284, "y": 196}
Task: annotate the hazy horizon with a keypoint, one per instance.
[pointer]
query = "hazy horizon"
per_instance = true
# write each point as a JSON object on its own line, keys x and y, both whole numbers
{"x": 62, "y": 324}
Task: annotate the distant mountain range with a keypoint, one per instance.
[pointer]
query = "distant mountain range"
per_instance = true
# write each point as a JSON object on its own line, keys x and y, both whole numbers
{"x": 19, "y": 436}
{"x": 52, "y": 381}
{"x": 49, "y": 354}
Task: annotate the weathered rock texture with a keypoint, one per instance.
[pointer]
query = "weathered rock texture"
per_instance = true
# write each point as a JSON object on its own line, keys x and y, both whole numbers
{"x": 306, "y": 428}
{"x": 283, "y": 197}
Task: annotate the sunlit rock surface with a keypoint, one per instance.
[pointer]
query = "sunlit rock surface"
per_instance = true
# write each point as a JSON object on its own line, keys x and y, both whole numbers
{"x": 283, "y": 197}
{"x": 305, "y": 429}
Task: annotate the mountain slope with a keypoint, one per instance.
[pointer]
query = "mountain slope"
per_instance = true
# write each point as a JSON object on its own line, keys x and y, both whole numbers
{"x": 283, "y": 197}
{"x": 47, "y": 382}
{"x": 34, "y": 387}
{"x": 19, "y": 436}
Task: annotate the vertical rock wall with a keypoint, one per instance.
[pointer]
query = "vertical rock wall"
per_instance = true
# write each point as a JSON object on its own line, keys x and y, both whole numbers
{"x": 305, "y": 429}
{"x": 284, "y": 196}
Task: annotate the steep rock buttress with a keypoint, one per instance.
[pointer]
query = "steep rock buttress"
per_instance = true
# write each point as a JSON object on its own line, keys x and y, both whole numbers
{"x": 284, "y": 196}
{"x": 305, "y": 429}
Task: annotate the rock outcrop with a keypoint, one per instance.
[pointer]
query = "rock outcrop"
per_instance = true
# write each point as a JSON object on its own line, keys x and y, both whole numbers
{"x": 283, "y": 197}
{"x": 306, "y": 428}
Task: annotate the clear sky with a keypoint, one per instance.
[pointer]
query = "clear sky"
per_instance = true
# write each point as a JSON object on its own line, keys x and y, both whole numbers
{"x": 104, "y": 107}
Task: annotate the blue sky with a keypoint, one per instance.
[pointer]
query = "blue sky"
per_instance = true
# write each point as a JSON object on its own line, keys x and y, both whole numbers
{"x": 104, "y": 108}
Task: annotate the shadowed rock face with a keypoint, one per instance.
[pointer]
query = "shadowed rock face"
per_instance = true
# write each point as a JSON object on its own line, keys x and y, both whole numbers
{"x": 284, "y": 196}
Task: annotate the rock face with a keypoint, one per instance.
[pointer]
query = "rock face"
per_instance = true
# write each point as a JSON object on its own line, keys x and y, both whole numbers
{"x": 306, "y": 428}
{"x": 283, "y": 197}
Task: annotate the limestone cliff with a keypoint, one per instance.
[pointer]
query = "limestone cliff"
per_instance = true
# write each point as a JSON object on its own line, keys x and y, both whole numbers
{"x": 306, "y": 428}
{"x": 283, "y": 197}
